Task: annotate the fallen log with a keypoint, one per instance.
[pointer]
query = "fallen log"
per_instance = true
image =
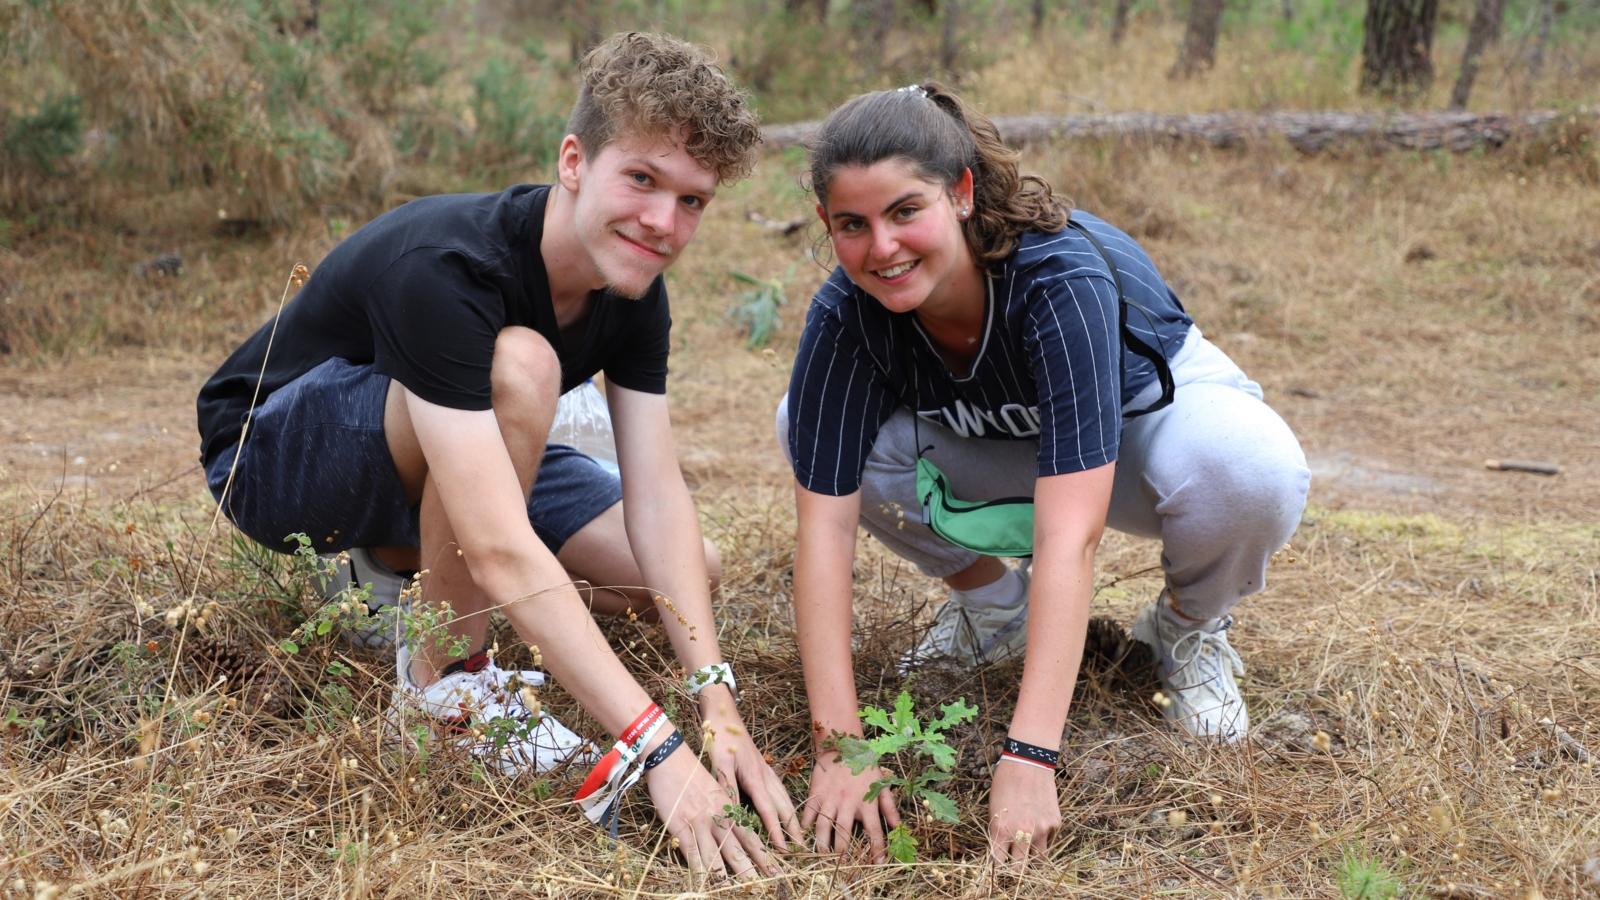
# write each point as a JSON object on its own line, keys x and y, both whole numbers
{"x": 1309, "y": 132}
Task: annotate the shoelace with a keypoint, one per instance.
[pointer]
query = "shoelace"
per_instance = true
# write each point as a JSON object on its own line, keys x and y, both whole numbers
{"x": 1203, "y": 646}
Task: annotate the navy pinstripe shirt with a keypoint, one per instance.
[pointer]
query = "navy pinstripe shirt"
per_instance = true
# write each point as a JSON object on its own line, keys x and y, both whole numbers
{"x": 1050, "y": 366}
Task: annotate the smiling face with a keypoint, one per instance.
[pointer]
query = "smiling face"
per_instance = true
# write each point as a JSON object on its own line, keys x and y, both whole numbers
{"x": 898, "y": 236}
{"x": 636, "y": 204}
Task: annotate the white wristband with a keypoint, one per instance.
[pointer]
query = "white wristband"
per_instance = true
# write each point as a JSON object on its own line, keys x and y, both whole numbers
{"x": 716, "y": 673}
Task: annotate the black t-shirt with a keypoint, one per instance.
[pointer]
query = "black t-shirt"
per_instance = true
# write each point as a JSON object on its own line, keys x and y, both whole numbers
{"x": 421, "y": 292}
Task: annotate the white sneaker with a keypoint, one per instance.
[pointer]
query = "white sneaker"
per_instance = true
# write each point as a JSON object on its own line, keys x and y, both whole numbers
{"x": 487, "y": 710}
{"x": 1197, "y": 674}
{"x": 354, "y": 570}
{"x": 975, "y": 636}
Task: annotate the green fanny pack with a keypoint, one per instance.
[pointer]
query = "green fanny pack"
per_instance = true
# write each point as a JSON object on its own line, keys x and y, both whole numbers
{"x": 1001, "y": 527}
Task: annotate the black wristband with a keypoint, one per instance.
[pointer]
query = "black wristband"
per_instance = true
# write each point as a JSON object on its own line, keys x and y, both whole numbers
{"x": 659, "y": 755}
{"x": 1014, "y": 747}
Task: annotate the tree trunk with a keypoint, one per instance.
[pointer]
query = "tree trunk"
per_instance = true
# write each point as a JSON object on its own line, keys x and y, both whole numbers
{"x": 819, "y": 8}
{"x": 950, "y": 39}
{"x": 1397, "y": 53}
{"x": 1547, "y": 17}
{"x": 1486, "y": 18}
{"x": 1308, "y": 132}
{"x": 1288, "y": 10}
{"x": 1199, "y": 51}
{"x": 1038, "y": 16}
{"x": 1119, "y": 21}
{"x": 583, "y": 29}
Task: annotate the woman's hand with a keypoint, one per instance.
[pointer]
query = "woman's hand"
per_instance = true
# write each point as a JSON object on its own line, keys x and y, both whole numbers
{"x": 738, "y": 764}
{"x": 836, "y": 804}
{"x": 694, "y": 807}
{"x": 1024, "y": 812}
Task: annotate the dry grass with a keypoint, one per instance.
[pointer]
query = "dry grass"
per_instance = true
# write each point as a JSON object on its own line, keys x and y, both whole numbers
{"x": 1408, "y": 314}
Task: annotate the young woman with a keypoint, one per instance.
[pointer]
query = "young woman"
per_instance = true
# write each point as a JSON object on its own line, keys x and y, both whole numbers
{"x": 1025, "y": 349}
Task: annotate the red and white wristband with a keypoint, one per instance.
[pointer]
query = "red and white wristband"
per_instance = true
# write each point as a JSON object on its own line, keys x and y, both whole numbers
{"x": 1013, "y": 750}
{"x": 600, "y": 792}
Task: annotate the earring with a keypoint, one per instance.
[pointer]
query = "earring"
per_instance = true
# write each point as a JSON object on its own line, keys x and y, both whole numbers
{"x": 966, "y": 211}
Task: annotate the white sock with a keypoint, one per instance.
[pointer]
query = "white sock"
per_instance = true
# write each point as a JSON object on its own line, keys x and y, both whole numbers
{"x": 1004, "y": 592}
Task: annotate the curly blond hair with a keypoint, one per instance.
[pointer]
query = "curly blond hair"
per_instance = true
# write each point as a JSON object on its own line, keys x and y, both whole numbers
{"x": 653, "y": 84}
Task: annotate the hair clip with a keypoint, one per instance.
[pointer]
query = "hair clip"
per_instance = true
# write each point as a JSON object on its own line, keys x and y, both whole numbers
{"x": 913, "y": 87}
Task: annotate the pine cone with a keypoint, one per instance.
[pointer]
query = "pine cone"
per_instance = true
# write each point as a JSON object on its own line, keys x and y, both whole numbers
{"x": 1110, "y": 652}
{"x": 261, "y": 685}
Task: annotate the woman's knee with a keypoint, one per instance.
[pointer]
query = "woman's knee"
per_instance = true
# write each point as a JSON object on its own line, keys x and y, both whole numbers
{"x": 1259, "y": 485}
{"x": 1229, "y": 456}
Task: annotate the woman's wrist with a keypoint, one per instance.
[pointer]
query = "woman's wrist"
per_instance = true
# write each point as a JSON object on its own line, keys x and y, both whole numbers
{"x": 1030, "y": 755}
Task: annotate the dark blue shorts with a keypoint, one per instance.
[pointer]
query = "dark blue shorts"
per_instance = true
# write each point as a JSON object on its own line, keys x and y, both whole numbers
{"x": 315, "y": 461}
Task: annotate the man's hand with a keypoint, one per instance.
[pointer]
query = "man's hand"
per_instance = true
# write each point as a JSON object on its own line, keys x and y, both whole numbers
{"x": 738, "y": 764}
{"x": 836, "y": 804}
{"x": 692, "y": 805}
{"x": 1024, "y": 813}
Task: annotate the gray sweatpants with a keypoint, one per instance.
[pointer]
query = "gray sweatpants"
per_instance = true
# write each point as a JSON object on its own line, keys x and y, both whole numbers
{"x": 1216, "y": 476}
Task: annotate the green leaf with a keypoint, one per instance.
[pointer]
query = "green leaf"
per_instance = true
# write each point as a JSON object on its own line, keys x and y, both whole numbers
{"x": 942, "y": 807}
{"x": 288, "y": 646}
{"x": 953, "y": 714}
{"x": 885, "y": 744}
{"x": 742, "y": 277}
{"x": 943, "y": 755}
{"x": 902, "y": 712}
{"x": 324, "y": 627}
{"x": 857, "y": 754}
{"x": 877, "y": 718}
{"x": 902, "y": 845}
{"x": 877, "y": 787}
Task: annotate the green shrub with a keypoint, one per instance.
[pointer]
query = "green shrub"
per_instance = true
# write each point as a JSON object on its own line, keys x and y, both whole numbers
{"x": 41, "y": 139}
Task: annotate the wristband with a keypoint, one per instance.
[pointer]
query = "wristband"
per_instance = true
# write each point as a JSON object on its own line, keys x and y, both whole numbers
{"x": 1013, "y": 750}
{"x": 715, "y": 673}
{"x": 659, "y": 755}
{"x": 615, "y": 773}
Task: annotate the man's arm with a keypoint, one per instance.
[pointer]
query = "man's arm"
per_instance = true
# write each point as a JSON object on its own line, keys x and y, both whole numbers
{"x": 664, "y": 533}
{"x": 662, "y": 527}
{"x": 474, "y": 478}
{"x": 470, "y": 468}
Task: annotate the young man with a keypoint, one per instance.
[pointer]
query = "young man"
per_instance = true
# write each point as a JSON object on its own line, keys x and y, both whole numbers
{"x": 406, "y": 402}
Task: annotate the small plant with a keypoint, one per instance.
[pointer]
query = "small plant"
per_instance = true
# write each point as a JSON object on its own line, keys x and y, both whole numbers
{"x": 742, "y": 816}
{"x": 420, "y": 624}
{"x": 1362, "y": 877}
{"x": 905, "y": 738}
{"x": 757, "y": 307}
{"x": 16, "y": 723}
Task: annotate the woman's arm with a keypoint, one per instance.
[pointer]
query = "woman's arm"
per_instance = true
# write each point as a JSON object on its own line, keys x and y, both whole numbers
{"x": 824, "y": 554}
{"x": 1069, "y": 517}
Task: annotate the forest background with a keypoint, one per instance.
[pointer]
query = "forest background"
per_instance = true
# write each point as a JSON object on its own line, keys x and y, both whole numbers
{"x": 1424, "y": 669}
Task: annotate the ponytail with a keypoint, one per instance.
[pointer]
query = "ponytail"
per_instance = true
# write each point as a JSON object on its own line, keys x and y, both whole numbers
{"x": 932, "y": 128}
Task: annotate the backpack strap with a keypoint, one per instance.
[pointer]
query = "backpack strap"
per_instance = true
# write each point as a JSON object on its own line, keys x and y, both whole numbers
{"x": 1131, "y": 341}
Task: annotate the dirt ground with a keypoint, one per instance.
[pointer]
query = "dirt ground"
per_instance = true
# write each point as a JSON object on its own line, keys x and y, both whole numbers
{"x": 1408, "y": 316}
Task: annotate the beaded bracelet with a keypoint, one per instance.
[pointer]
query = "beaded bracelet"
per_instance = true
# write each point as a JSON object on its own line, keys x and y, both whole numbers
{"x": 1013, "y": 750}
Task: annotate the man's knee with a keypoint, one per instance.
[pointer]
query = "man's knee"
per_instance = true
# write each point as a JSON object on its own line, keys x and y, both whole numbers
{"x": 713, "y": 566}
{"x": 525, "y": 370}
